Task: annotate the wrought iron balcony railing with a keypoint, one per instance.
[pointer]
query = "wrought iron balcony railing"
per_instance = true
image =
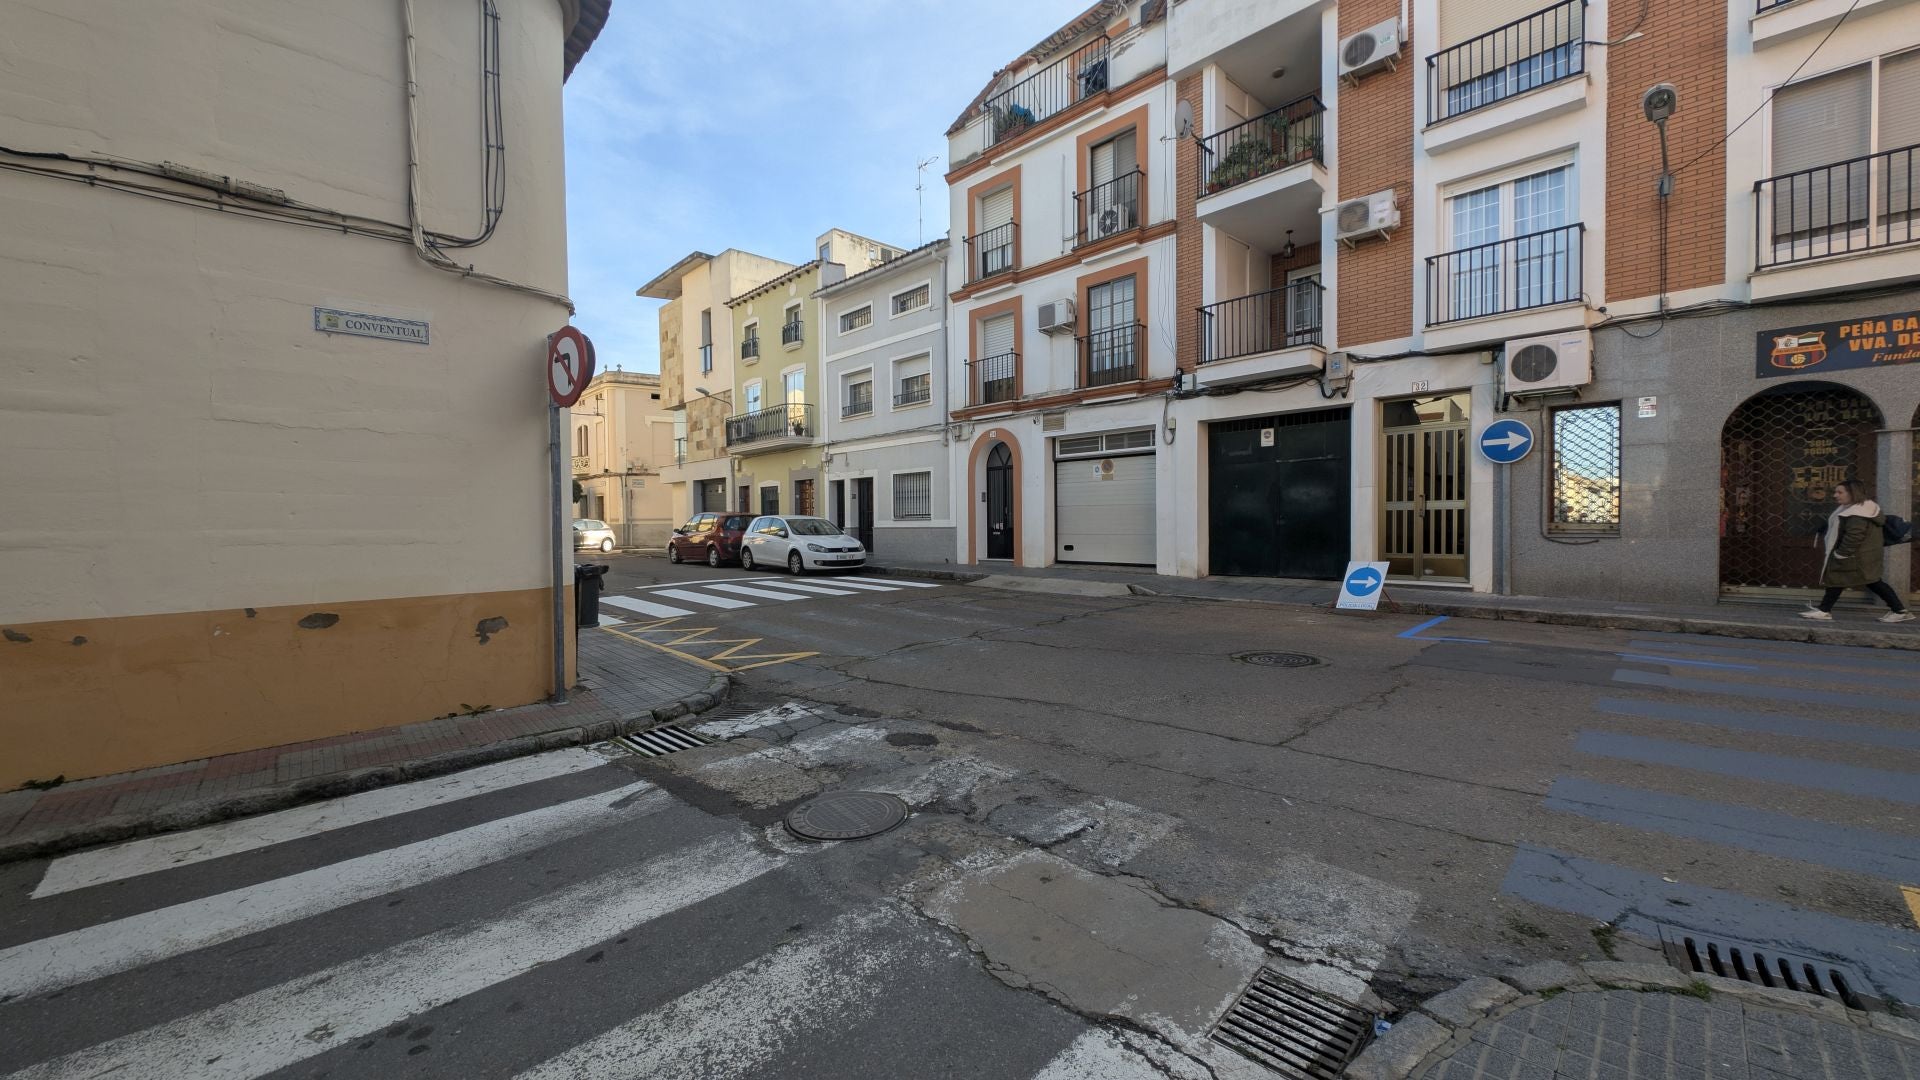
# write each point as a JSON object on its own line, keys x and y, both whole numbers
{"x": 1072, "y": 78}
{"x": 1107, "y": 209}
{"x": 1113, "y": 355}
{"x": 993, "y": 379}
{"x": 791, "y": 333}
{"x": 1527, "y": 53}
{"x": 778, "y": 422}
{"x": 917, "y": 395}
{"x": 1276, "y": 140}
{"x": 1855, "y": 205}
{"x": 1261, "y": 322}
{"x": 1529, "y": 271}
{"x": 750, "y": 348}
{"x": 992, "y": 251}
{"x": 857, "y": 405}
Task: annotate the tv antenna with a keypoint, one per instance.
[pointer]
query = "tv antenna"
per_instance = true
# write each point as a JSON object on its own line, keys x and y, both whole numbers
{"x": 919, "y": 199}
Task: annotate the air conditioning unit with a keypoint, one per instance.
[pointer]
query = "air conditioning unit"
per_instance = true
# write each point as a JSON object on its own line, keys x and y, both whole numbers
{"x": 1550, "y": 364}
{"x": 1107, "y": 222}
{"x": 1369, "y": 50}
{"x": 1056, "y": 317}
{"x": 1359, "y": 219}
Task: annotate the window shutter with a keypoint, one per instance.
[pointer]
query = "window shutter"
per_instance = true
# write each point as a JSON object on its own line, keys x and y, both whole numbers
{"x": 997, "y": 209}
{"x": 1822, "y": 121}
{"x": 1102, "y": 163}
{"x": 1900, "y": 101}
{"x": 1464, "y": 20}
{"x": 996, "y": 336}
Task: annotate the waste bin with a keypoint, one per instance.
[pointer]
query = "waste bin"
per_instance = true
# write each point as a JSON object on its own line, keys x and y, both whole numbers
{"x": 586, "y": 593}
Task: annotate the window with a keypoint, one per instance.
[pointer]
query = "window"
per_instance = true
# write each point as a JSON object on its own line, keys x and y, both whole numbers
{"x": 770, "y": 502}
{"x": 1494, "y": 49}
{"x": 1111, "y": 204}
{"x": 1586, "y": 470}
{"x": 1512, "y": 248}
{"x": 913, "y": 496}
{"x": 753, "y": 396}
{"x": 990, "y": 251}
{"x": 750, "y": 341}
{"x": 793, "y": 385}
{"x": 859, "y": 396}
{"x": 1110, "y": 352}
{"x": 915, "y": 390}
{"x": 580, "y": 441}
{"x": 856, "y": 319}
{"x": 1844, "y": 154}
{"x": 912, "y": 300}
{"x": 996, "y": 371}
{"x": 706, "y": 340}
{"x": 790, "y": 328}
{"x": 826, "y": 249}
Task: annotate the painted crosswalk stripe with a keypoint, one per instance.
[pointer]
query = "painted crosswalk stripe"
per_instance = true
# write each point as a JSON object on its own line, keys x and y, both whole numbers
{"x": 610, "y": 620}
{"x": 741, "y": 1022}
{"x": 806, "y": 587}
{"x": 903, "y": 583}
{"x": 299, "y": 1019}
{"x": 1099, "y": 1055}
{"x": 703, "y": 598}
{"x": 764, "y": 594}
{"x": 124, "y": 944}
{"x": 155, "y": 853}
{"x": 658, "y": 611}
{"x": 849, "y": 583}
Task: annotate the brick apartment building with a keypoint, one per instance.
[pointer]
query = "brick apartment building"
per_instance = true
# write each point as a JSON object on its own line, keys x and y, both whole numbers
{"x": 1393, "y": 222}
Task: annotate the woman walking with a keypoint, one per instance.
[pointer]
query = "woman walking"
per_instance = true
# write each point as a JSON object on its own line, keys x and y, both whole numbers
{"x": 1854, "y": 539}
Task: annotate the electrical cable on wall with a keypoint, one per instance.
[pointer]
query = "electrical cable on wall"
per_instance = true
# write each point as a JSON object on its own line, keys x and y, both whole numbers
{"x": 1769, "y": 98}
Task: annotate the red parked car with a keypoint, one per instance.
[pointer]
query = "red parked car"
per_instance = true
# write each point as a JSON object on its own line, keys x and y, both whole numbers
{"x": 711, "y": 538}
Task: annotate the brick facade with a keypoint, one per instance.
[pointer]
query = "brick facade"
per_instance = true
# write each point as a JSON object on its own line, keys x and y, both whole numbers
{"x": 1375, "y": 287}
{"x": 1685, "y": 44}
{"x": 1188, "y": 253}
{"x": 1303, "y": 255}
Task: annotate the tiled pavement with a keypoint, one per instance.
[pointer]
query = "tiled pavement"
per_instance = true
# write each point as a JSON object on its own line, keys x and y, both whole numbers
{"x": 621, "y": 679}
{"x": 1627, "y": 1033}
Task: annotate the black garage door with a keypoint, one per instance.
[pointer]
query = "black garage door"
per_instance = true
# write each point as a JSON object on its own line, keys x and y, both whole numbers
{"x": 1279, "y": 490}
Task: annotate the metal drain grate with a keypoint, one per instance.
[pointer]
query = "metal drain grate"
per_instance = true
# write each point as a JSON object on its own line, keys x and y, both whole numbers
{"x": 1277, "y": 659}
{"x": 1763, "y": 965}
{"x": 661, "y": 740}
{"x": 1293, "y": 1029}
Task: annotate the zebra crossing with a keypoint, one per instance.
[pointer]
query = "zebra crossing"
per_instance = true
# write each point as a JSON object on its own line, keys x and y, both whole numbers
{"x": 732, "y": 594}
{"x": 1708, "y": 760}
{"x": 559, "y": 916}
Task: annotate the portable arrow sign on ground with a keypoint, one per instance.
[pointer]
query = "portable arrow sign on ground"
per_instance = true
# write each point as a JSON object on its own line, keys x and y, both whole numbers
{"x": 570, "y": 365}
{"x": 1361, "y": 589}
{"x": 1506, "y": 441}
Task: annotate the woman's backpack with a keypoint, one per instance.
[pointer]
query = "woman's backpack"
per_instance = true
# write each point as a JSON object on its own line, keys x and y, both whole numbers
{"x": 1898, "y": 530}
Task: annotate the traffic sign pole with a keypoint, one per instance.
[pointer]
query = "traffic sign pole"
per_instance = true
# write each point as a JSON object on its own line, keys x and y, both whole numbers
{"x": 558, "y": 529}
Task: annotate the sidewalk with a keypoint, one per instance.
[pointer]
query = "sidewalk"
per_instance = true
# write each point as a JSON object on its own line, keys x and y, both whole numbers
{"x": 1555, "y": 1021}
{"x": 1761, "y": 621}
{"x": 622, "y": 687}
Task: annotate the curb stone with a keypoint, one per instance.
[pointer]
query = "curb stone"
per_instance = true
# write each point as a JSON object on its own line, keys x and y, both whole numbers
{"x": 195, "y": 813}
{"x": 1445, "y": 1023}
{"x": 930, "y": 575}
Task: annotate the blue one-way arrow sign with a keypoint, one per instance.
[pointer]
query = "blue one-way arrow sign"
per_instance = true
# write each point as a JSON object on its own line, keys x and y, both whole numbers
{"x": 1361, "y": 588}
{"x": 1506, "y": 441}
{"x": 1364, "y": 581}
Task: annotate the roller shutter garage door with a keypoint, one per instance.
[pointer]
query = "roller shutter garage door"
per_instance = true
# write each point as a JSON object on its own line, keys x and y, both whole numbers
{"x": 713, "y": 495}
{"x": 1104, "y": 498}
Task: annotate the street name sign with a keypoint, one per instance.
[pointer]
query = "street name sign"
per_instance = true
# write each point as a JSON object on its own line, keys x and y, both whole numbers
{"x": 1504, "y": 442}
{"x": 361, "y": 324}
{"x": 1360, "y": 590}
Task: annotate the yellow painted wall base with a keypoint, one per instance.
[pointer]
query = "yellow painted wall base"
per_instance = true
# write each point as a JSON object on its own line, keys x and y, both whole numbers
{"x": 87, "y": 697}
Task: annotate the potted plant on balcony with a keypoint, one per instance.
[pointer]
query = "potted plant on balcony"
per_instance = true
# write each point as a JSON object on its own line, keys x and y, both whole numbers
{"x": 1016, "y": 119}
{"x": 1247, "y": 159}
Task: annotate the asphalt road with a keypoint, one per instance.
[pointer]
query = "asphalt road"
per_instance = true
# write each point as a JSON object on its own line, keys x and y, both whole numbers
{"x": 1115, "y": 822}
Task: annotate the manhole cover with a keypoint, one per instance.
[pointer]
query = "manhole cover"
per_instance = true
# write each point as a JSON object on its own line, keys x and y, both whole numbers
{"x": 1276, "y": 659}
{"x": 1293, "y": 1029}
{"x": 846, "y": 815}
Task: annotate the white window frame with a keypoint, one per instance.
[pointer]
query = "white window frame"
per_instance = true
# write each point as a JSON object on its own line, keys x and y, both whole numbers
{"x": 1504, "y": 179}
{"x": 841, "y": 320}
{"x": 891, "y": 297}
{"x": 893, "y": 492}
{"x": 747, "y": 394}
{"x": 787, "y": 316}
{"x": 894, "y": 377}
{"x": 847, "y": 379}
{"x": 786, "y": 371}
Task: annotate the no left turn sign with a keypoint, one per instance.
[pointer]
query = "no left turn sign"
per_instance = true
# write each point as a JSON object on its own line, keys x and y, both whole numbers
{"x": 569, "y": 365}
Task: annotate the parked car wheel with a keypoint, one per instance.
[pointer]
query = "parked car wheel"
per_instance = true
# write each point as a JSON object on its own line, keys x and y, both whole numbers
{"x": 713, "y": 555}
{"x": 673, "y": 553}
{"x": 794, "y": 564}
{"x": 606, "y": 546}
{"x": 746, "y": 559}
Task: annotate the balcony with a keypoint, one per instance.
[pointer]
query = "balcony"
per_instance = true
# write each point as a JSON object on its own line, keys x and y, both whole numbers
{"x": 1505, "y": 276}
{"x": 1031, "y": 101}
{"x": 680, "y": 450}
{"x": 993, "y": 252}
{"x": 790, "y": 334}
{"x": 750, "y": 348}
{"x": 1112, "y": 356}
{"x": 706, "y": 358}
{"x": 858, "y": 405}
{"x": 1266, "y": 175}
{"x": 917, "y": 395}
{"x": 1539, "y": 50}
{"x": 994, "y": 379}
{"x": 1262, "y": 335}
{"x": 780, "y": 428}
{"x": 1107, "y": 209}
{"x": 1865, "y": 204}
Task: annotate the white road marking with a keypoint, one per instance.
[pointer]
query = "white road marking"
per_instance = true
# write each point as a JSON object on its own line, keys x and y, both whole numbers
{"x": 683, "y": 584}
{"x": 740, "y": 1022}
{"x": 801, "y": 586}
{"x": 764, "y": 594}
{"x": 849, "y": 583}
{"x": 658, "y": 611}
{"x": 609, "y": 620}
{"x": 123, "y": 944}
{"x": 1098, "y": 1055}
{"x": 302, "y": 1018}
{"x": 157, "y": 853}
{"x": 906, "y": 583}
{"x": 703, "y": 598}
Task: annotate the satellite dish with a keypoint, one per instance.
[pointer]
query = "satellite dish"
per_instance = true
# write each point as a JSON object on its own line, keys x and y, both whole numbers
{"x": 1183, "y": 118}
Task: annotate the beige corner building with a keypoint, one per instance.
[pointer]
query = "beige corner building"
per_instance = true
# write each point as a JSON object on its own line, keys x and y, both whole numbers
{"x": 273, "y": 446}
{"x": 622, "y": 437}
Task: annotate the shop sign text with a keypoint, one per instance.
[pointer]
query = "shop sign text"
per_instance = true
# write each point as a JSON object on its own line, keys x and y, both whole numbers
{"x": 1875, "y": 341}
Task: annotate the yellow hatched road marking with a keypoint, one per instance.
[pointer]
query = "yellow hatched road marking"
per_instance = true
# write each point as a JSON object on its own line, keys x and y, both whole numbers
{"x": 1913, "y": 901}
{"x": 695, "y": 635}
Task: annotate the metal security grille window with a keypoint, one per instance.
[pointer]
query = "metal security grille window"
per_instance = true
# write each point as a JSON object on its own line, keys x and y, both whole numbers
{"x": 1586, "y": 470}
{"x": 854, "y": 320}
{"x": 912, "y": 300}
{"x": 913, "y": 496}
{"x": 1781, "y": 453}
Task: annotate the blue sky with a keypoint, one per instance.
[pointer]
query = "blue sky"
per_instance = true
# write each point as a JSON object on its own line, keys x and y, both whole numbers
{"x": 759, "y": 125}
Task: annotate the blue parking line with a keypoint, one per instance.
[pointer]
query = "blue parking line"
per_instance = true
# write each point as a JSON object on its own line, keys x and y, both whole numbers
{"x": 1764, "y": 723}
{"x": 1885, "y": 784}
{"x": 1436, "y": 621}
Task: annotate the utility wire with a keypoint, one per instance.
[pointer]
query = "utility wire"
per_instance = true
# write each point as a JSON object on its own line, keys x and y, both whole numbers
{"x": 1769, "y": 97}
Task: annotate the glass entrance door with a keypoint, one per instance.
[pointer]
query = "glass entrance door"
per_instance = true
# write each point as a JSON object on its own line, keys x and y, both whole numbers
{"x": 1424, "y": 483}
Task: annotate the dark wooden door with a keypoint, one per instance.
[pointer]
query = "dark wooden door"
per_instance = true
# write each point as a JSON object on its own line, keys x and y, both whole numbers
{"x": 1000, "y": 502}
{"x": 863, "y": 511}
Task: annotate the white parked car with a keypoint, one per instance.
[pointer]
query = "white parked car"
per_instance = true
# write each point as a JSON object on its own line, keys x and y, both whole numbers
{"x": 800, "y": 544}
